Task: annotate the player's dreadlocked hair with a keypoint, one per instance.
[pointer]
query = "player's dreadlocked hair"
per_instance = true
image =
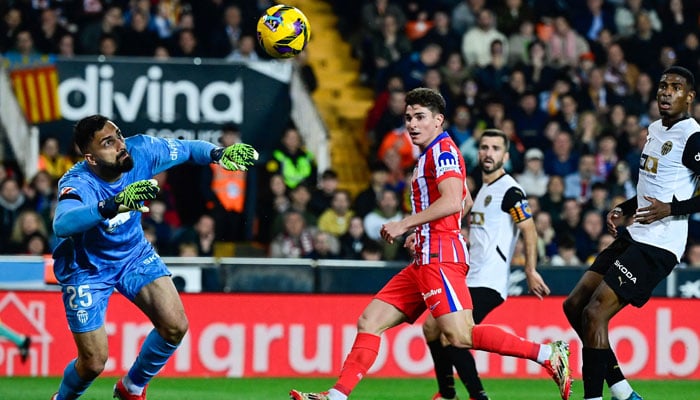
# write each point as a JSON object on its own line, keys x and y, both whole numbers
{"x": 84, "y": 130}
{"x": 428, "y": 98}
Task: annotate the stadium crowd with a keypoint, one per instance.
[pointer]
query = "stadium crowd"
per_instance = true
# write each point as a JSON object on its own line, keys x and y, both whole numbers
{"x": 570, "y": 82}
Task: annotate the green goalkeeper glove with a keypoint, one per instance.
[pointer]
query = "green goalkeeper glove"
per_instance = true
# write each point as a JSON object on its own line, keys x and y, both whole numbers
{"x": 130, "y": 199}
{"x": 236, "y": 157}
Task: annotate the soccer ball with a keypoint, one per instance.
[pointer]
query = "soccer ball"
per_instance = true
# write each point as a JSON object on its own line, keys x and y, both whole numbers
{"x": 283, "y": 31}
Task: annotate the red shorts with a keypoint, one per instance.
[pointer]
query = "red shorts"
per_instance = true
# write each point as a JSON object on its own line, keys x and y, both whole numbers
{"x": 440, "y": 287}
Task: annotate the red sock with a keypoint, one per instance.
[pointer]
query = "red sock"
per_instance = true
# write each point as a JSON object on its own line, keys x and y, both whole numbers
{"x": 493, "y": 339}
{"x": 362, "y": 355}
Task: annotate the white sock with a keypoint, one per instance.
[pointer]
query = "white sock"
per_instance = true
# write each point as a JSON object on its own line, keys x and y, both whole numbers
{"x": 334, "y": 394}
{"x": 621, "y": 390}
{"x": 593, "y": 398}
{"x": 544, "y": 353}
{"x": 131, "y": 387}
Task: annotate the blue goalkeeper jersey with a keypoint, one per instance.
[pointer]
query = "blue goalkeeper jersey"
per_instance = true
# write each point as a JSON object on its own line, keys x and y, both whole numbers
{"x": 88, "y": 240}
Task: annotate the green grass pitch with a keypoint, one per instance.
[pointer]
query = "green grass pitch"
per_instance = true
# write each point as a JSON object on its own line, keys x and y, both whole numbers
{"x": 368, "y": 389}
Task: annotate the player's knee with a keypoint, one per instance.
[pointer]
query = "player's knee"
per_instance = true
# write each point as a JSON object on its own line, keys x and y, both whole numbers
{"x": 570, "y": 307}
{"x": 591, "y": 314}
{"x": 431, "y": 331}
{"x": 90, "y": 367}
{"x": 175, "y": 332}
{"x": 459, "y": 339}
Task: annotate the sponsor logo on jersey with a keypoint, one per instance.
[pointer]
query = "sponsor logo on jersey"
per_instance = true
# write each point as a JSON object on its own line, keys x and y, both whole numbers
{"x": 666, "y": 148}
{"x": 447, "y": 162}
{"x": 629, "y": 275}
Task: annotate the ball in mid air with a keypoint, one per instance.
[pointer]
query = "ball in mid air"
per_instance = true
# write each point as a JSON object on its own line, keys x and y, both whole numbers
{"x": 283, "y": 31}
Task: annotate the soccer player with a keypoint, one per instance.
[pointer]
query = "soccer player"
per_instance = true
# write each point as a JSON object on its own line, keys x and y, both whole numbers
{"x": 644, "y": 253}
{"x": 102, "y": 247}
{"x": 23, "y": 342}
{"x": 500, "y": 212}
{"x": 436, "y": 279}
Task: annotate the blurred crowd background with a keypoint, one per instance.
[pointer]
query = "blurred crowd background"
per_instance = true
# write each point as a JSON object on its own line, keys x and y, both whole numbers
{"x": 572, "y": 83}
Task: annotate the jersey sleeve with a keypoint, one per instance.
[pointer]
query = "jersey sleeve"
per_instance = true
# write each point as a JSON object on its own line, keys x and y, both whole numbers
{"x": 515, "y": 203}
{"x": 691, "y": 153}
{"x": 165, "y": 153}
{"x": 77, "y": 209}
{"x": 447, "y": 164}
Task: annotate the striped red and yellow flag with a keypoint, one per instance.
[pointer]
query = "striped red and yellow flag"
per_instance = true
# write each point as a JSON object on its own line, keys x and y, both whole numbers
{"x": 36, "y": 89}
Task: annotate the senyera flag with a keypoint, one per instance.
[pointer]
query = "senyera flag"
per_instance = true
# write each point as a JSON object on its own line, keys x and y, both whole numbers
{"x": 36, "y": 89}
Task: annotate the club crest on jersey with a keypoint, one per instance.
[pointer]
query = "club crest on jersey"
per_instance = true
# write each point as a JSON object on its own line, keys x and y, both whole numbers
{"x": 487, "y": 200}
{"x": 447, "y": 162}
{"x": 666, "y": 148}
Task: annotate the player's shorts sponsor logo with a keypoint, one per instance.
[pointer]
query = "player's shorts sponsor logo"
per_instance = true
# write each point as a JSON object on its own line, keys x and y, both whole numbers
{"x": 625, "y": 272}
{"x": 150, "y": 259}
{"x": 82, "y": 316}
{"x": 431, "y": 293}
{"x": 447, "y": 162}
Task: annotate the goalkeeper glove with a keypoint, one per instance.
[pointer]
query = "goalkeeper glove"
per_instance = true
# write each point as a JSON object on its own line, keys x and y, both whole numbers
{"x": 236, "y": 157}
{"x": 130, "y": 199}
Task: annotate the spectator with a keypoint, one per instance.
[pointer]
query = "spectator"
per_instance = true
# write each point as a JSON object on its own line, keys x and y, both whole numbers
{"x": 325, "y": 246}
{"x": 186, "y": 45}
{"x": 52, "y": 160}
{"x": 306, "y": 71}
{"x": 202, "y": 234}
{"x": 692, "y": 255}
{"x": 460, "y": 128}
{"x": 476, "y": 42}
{"x": 295, "y": 240}
{"x": 399, "y": 141}
{"x": 388, "y": 46}
{"x": 49, "y": 32}
{"x": 493, "y": 76}
{"x": 371, "y": 251}
{"x": 588, "y": 130}
{"x": 570, "y": 219}
{"x": 354, "y": 240}
{"x": 245, "y": 51}
{"x": 35, "y": 244}
{"x": 626, "y": 15}
{"x": 566, "y": 253}
{"x": 546, "y": 244}
{"x": 322, "y": 195}
{"x": 465, "y": 13}
{"x": 642, "y": 43}
{"x": 162, "y": 230}
{"x": 533, "y": 179}
{"x": 66, "y": 46}
{"x": 603, "y": 242}
{"x": 588, "y": 233}
{"x": 599, "y": 201}
{"x": 593, "y": 19}
{"x": 606, "y": 156}
{"x": 578, "y": 184}
{"x": 566, "y": 46}
{"x": 368, "y": 198}
{"x": 24, "y": 54}
{"x": 620, "y": 181}
{"x": 111, "y": 23}
{"x": 292, "y": 160}
{"x": 519, "y": 43}
{"x": 11, "y": 24}
{"x": 530, "y": 121}
{"x": 537, "y": 69}
{"x": 561, "y": 159}
{"x": 299, "y": 197}
{"x": 336, "y": 219}
{"x": 553, "y": 200}
{"x": 41, "y": 196}
{"x": 619, "y": 74}
{"x": 226, "y": 37}
{"x": 387, "y": 210}
{"x": 109, "y": 45}
{"x": 568, "y": 115}
{"x": 443, "y": 34}
{"x": 511, "y": 14}
{"x": 677, "y": 21}
{"x": 137, "y": 39}
{"x": 28, "y": 222}
{"x": 597, "y": 96}
{"x": 390, "y": 119}
{"x": 412, "y": 66}
{"x": 273, "y": 201}
{"x": 12, "y": 203}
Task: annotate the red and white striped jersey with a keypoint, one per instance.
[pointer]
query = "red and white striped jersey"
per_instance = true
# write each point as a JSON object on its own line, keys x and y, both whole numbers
{"x": 440, "y": 240}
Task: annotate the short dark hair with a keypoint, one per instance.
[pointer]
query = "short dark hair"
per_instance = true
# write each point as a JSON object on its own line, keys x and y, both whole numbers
{"x": 684, "y": 72}
{"x": 492, "y": 132}
{"x": 230, "y": 127}
{"x": 329, "y": 174}
{"x": 429, "y": 98}
{"x": 85, "y": 129}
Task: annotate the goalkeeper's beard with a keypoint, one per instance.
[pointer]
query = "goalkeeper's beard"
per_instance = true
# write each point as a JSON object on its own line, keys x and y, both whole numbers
{"x": 117, "y": 167}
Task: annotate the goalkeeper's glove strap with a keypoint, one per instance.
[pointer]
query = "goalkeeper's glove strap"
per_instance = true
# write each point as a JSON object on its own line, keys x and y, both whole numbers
{"x": 216, "y": 154}
{"x": 108, "y": 208}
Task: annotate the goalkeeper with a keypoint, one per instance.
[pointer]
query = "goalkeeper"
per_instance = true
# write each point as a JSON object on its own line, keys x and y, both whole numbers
{"x": 102, "y": 247}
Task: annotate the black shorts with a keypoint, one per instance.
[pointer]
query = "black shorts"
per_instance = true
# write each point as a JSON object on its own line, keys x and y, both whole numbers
{"x": 633, "y": 269}
{"x": 484, "y": 300}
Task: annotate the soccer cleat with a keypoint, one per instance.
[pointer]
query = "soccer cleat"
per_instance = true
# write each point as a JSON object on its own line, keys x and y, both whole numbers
{"x": 121, "y": 393}
{"x": 633, "y": 396}
{"x": 558, "y": 367}
{"x": 54, "y": 396}
{"x": 437, "y": 396}
{"x": 297, "y": 395}
{"x": 24, "y": 349}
